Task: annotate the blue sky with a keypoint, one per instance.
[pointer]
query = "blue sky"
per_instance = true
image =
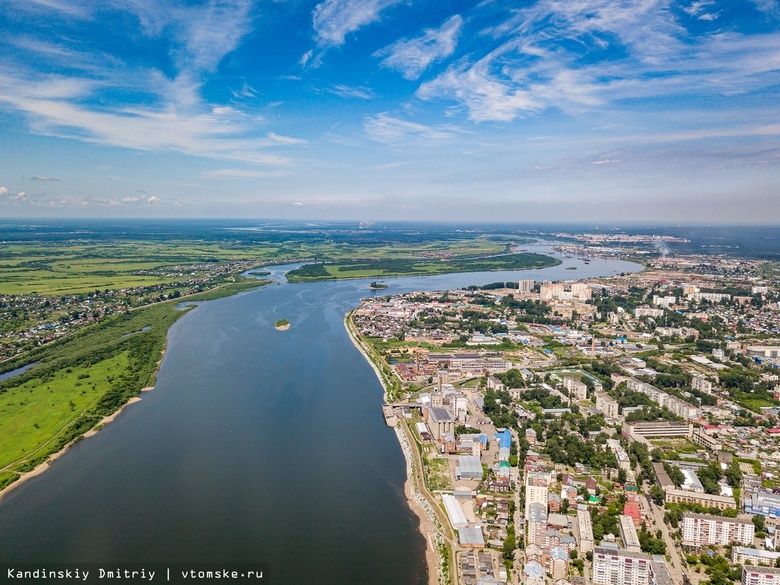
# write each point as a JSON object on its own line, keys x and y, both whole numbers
{"x": 592, "y": 110}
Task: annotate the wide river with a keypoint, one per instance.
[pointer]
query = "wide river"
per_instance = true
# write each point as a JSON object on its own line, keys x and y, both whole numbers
{"x": 256, "y": 446}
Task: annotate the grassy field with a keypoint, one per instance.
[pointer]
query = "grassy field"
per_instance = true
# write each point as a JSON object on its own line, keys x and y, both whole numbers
{"x": 34, "y": 412}
{"x": 57, "y": 269}
{"x": 412, "y": 267}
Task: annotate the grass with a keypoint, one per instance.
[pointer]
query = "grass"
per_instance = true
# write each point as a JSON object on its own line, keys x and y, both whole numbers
{"x": 437, "y": 472}
{"x": 55, "y": 269}
{"x": 414, "y": 267}
{"x": 281, "y": 323}
{"x": 34, "y": 412}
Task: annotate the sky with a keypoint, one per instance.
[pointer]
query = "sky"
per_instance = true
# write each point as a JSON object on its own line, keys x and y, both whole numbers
{"x": 441, "y": 110}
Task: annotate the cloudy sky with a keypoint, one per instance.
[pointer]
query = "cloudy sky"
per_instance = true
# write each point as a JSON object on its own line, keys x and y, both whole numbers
{"x": 391, "y": 109}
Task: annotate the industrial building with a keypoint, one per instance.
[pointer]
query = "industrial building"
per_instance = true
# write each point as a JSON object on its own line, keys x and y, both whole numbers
{"x": 468, "y": 467}
{"x": 763, "y": 503}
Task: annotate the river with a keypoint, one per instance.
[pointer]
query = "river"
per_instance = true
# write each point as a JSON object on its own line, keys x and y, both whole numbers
{"x": 255, "y": 446}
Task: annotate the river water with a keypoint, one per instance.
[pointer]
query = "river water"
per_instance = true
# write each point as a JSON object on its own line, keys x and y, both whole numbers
{"x": 256, "y": 446}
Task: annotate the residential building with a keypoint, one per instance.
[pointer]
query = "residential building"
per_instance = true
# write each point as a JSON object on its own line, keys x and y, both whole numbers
{"x": 702, "y": 384}
{"x": 622, "y": 457}
{"x": 753, "y": 556}
{"x": 628, "y": 534}
{"x": 621, "y": 567}
{"x": 577, "y": 389}
{"x": 584, "y": 531}
{"x": 703, "y": 530}
{"x": 760, "y": 575}
{"x": 607, "y": 405}
{"x": 708, "y": 500}
{"x": 536, "y": 488}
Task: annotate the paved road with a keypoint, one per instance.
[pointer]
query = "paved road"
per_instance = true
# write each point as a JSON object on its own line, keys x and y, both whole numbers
{"x": 676, "y": 566}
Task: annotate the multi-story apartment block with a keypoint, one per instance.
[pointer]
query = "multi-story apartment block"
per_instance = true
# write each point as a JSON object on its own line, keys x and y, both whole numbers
{"x": 607, "y": 405}
{"x": 576, "y": 388}
{"x": 620, "y": 567}
{"x": 584, "y": 531}
{"x": 753, "y": 556}
{"x": 536, "y": 490}
{"x": 703, "y": 529}
{"x": 760, "y": 575}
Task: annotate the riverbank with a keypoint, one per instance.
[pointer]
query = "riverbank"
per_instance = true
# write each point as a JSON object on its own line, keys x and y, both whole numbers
{"x": 430, "y": 526}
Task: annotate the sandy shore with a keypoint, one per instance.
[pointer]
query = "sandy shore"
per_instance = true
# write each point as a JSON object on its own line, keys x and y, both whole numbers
{"x": 429, "y": 525}
{"x": 282, "y": 327}
{"x": 53, "y": 457}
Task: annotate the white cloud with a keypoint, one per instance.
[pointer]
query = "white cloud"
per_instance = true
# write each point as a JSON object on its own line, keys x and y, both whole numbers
{"x": 305, "y": 58}
{"x": 183, "y": 124}
{"x": 3, "y": 191}
{"x": 606, "y": 161}
{"x": 547, "y": 56}
{"x": 770, "y": 6}
{"x": 242, "y": 174}
{"x": 487, "y": 97}
{"x": 386, "y": 129}
{"x": 393, "y": 165}
{"x": 334, "y": 19}
{"x": 698, "y": 7}
{"x": 78, "y": 10}
{"x": 38, "y": 178}
{"x": 351, "y": 92}
{"x": 297, "y": 204}
{"x": 412, "y": 57}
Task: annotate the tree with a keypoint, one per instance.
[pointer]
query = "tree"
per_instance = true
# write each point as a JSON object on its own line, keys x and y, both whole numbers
{"x": 734, "y": 474}
{"x": 657, "y": 494}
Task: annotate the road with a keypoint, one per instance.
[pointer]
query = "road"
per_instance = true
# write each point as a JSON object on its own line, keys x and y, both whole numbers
{"x": 675, "y": 566}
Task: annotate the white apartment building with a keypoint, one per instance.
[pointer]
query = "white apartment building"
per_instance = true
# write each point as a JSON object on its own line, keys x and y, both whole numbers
{"x": 584, "y": 531}
{"x": 607, "y": 405}
{"x": 536, "y": 488}
{"x": 760, "y": 575}
{"x": 703, "y": 529}
{"x": 622, "y": 457}
{"x": 648, "y": 312}
{"x": 621, "y": 567}
{"x": 576, "y": 389}
{"x": 702, "y": 384}
{"x": 665, "y": 302}
{"x": 628, "y": 534}
{"x": 741, "y": 555}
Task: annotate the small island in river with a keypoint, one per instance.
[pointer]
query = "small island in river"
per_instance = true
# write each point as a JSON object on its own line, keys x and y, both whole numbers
{"x": 282, "y": 325}
{"x": 377, "y": 285}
